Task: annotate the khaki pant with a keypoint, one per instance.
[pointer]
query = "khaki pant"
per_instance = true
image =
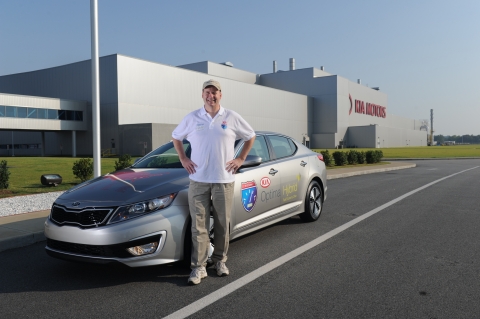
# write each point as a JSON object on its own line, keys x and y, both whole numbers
{"x": 202, "y": 196}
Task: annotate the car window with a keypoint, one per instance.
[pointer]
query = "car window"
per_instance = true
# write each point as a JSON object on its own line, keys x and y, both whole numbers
{"x": 259, "y": 148}
{"x": 281, "y": 146}
{"x": 164, "y": 157}
{"x": 292, "y": 145}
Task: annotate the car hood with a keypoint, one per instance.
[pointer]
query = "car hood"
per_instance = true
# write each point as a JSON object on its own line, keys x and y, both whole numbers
{"x": 124, "y": 187}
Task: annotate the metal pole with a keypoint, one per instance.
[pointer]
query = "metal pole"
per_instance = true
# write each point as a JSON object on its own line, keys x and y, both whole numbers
{"x": 95, "y": 89}
{"x": 13, "y": 146}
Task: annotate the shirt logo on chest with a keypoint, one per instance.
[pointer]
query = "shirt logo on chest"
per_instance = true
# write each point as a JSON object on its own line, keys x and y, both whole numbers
{"x": 224, "y": 125}
{"x": 200, "y": 126}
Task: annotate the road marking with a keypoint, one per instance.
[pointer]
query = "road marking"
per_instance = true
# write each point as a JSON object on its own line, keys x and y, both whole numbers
{"x": 237, "y": 284}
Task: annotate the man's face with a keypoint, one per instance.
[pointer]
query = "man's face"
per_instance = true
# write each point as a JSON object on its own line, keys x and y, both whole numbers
{"x": 211, "y": 96}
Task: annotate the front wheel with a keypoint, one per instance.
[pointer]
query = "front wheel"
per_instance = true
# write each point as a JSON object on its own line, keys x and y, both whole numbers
{"x": 313, "y": 203}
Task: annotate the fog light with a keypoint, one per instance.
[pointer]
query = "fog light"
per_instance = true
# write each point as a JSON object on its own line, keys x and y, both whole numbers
{"x": 143, "y": 249}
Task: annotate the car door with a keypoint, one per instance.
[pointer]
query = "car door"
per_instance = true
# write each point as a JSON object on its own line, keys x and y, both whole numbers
{"x": 293, "y": 169}
{"x": 257, "y": 189}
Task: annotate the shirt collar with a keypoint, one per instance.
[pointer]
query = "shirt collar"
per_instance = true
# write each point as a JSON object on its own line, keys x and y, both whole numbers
{"x": 204, "y": 112}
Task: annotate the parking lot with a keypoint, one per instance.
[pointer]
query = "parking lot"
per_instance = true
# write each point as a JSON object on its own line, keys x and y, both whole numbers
{"x": 394, "y": 244}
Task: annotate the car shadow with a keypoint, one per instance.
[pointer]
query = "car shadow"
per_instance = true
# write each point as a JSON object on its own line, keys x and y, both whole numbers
{"x": 31, "y": 269}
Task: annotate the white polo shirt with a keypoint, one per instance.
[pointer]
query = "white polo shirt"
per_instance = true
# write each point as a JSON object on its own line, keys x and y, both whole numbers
{"x": 213, "y": 142}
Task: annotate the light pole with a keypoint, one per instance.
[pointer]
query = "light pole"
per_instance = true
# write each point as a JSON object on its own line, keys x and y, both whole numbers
{"x": 95, "y": 88}
{"x": 13, "y": 146}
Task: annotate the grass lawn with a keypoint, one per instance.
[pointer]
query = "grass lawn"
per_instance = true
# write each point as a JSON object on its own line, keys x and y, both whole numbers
{"x": 25, "y": 173}
{"x": 472, "y": 150}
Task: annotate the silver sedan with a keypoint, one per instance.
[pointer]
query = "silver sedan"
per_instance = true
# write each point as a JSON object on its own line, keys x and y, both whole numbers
{"x": 139, "y": 216}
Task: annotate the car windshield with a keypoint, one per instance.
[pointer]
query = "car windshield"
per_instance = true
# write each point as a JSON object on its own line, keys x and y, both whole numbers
{"x": 163, "y": 157}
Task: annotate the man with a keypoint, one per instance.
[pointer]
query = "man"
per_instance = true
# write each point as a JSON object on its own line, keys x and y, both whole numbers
{"x": 211, "y": 131}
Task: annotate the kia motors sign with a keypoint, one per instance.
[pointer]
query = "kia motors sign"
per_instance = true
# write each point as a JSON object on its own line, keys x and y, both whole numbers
{"x": 367, "y": 108}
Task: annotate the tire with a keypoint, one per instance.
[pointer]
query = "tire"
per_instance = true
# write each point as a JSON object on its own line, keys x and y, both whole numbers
{"x": 313, "y": 203}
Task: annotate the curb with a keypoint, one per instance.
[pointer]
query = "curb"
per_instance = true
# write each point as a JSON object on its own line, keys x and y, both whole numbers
{"x": 371, "y": 171}
{"x": 21, "y": 241}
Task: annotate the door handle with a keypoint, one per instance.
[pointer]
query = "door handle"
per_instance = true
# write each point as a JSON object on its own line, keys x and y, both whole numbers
{"x": 302, "y": 163}
{"x": 272, "y": 172}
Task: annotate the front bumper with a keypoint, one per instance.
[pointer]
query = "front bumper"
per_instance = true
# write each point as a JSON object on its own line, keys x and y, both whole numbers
{"x": 109, "y": 243}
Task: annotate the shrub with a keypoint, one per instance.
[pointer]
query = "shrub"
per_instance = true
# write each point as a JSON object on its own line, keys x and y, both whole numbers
{"x": 83, "y": 169}
{"x": 361, "y": 157}
{"x": 370, "y": 157}
{"x": 327, "y": 158}
{"x": 352, "y": 157}
{"x": 374, "y": 156}
{"x": 4, "y": 175}
{"x": 379, "y": 155}
{"x": 124, "y": 161}
{"x": 340, "y": 158}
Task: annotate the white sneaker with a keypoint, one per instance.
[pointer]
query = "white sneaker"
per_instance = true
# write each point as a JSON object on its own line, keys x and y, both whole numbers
{"x": 222, "y": 269}
{"x": 197, "y": 275}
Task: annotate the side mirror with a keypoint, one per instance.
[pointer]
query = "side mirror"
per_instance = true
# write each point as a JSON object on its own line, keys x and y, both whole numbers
{"x": 251, "y": 161}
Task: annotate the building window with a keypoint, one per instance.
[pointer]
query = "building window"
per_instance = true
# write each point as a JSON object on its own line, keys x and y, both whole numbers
{"x": 52, "y": 115}
{"x": 42, "y": 113}
{"x": 36, "y": 113}
{"x": 10, "y": 111}
{"x": 32, "y": 113}
{"x": 62, "y": 115}
{"x": 22, "y": 112}
{"x": 78, "y": 115}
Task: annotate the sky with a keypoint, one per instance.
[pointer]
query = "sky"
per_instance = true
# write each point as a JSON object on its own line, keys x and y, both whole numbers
{"x": 424, "y": 54}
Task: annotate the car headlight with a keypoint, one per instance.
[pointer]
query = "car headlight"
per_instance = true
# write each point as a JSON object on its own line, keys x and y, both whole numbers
{"x": 138, "y": 209}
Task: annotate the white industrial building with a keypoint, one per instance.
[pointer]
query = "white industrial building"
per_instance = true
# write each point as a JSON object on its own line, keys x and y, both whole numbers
{"x": 48, "y": 112}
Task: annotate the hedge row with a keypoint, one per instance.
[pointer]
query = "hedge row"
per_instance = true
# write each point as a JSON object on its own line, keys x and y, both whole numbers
{"x": 351, "y": 157}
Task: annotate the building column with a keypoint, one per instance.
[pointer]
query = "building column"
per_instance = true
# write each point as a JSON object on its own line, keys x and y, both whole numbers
{"x": 74, "y": 143}
{"x": 43, "y": 143}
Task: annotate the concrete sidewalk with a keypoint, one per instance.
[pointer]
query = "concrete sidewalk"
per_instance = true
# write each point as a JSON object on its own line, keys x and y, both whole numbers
{"x": 26, "y": 229}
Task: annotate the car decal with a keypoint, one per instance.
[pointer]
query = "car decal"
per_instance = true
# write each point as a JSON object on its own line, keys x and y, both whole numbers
{"x": 249, "y": 195}
{"x": 265, "y": 182}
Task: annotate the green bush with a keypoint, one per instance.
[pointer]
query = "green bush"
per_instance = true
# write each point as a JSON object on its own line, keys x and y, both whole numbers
{"x": 4, "y": 175}
{"x": 340, "y": 158}
{"x": 374, "y": 156}
{"x": 83, "y": 169}
{"x": 327, "y": 158}
{"x": 124, "y": 161}
{"x": 361, "y": 157}
{"x": 379, "y": 156}
{"x": 352, "y": 157}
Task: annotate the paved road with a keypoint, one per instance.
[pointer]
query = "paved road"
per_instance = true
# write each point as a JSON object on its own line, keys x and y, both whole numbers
{"x": 415, "y": 258}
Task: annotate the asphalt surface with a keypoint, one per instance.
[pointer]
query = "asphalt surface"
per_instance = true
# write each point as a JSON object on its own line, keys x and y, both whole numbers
{"x": 414, "y": 259}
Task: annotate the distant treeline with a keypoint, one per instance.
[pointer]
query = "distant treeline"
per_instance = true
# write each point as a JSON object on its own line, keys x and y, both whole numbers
{"x": 471, "y": 139}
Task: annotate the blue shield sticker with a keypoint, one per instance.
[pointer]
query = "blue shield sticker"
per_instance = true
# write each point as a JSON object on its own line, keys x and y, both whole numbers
{"x": 249, "y": 195}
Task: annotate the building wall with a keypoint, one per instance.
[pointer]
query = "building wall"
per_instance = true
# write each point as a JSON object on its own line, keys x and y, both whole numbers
{"x": 376, "y": 136}
{"x": 223, "y": 71}
{"x": 160, "y": 94}
{"x": 73, "y": 82}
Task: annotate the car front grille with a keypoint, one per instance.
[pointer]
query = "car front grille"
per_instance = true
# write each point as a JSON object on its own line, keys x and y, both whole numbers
{"x": 103, "y": 251}
{"x": 85, "y": 218}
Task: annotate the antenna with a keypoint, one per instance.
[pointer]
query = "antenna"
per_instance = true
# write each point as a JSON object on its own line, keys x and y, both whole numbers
{"x": 431, "y": 127}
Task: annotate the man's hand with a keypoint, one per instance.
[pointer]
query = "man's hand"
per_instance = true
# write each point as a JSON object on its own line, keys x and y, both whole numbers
{"x": 234, "y": 165}
{"x": 186, "y": 162}
{"x": 188, "y": 165}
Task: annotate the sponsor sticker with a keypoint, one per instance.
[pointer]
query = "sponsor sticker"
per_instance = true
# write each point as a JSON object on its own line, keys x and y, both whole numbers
{"x": 249, "y": 195}
{"x": 265, "y": 182}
